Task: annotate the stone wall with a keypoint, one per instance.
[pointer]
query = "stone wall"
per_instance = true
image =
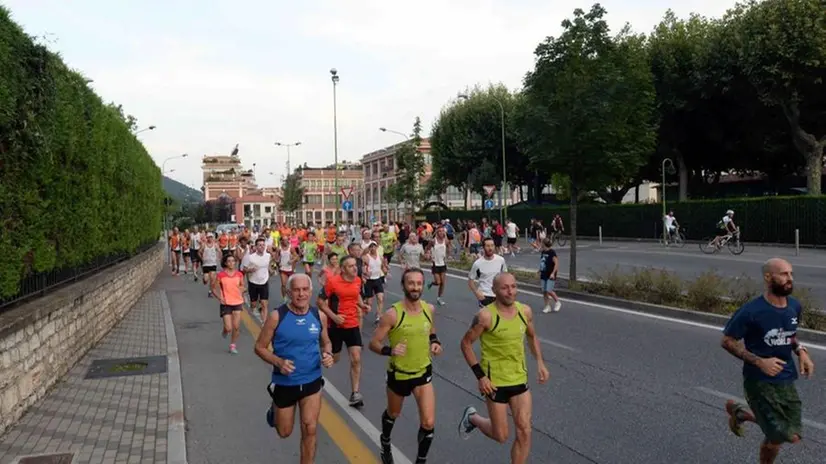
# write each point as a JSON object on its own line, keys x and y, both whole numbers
{"x": 44, "y": 338}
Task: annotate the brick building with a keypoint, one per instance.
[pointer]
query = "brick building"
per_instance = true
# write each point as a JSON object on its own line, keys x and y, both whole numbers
{"x": 322, "y": 204}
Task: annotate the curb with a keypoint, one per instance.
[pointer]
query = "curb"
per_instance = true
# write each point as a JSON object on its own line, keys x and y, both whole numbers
{"x": 176, "y": 429}
{"x": 806, "y": 335}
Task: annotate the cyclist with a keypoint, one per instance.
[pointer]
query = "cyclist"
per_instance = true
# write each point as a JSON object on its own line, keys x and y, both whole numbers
{"x": 671, "y": 226}
{"x": 728, "y": 228}
{"x": 557, "y": 227}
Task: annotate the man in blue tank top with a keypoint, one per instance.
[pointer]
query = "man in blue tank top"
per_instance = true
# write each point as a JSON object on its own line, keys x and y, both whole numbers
{"x": 300, "y": 347}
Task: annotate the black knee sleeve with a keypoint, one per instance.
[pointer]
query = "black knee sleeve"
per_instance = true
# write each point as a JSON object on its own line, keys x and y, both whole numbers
{"x": 387, "y": 424}
{"x": 425, "y": 437}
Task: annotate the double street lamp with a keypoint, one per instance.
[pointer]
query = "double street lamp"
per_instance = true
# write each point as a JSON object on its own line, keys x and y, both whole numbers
{"x": 503, "y": 210}
{"x": 288, "y": 145}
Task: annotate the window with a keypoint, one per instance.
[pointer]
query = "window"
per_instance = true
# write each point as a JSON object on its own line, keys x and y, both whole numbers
{"x": 268, "y": 210}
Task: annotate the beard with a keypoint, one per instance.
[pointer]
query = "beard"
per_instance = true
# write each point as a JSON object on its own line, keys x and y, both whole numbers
{"x": 781, "y": 289}
{"x": 412, "y": 296}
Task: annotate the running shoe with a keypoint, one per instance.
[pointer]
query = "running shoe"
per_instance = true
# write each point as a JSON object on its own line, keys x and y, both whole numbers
{"x": 737, "y": 414}
{"x": 232, "y": 349}
{"x": 465, "y": 426}
{"x": 356, "y": 400}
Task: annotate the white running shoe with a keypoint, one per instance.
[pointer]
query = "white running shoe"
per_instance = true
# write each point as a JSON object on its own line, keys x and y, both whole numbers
{"x": 557, "y": 306}
{"x": 546, "y": 309}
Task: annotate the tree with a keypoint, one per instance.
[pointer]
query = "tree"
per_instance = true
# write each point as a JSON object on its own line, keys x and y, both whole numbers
{"x": 292, "y": 192}
{"x": 590, "y": 106}
{"x": 409, "y": 171}
{"x": 782, "y": 50}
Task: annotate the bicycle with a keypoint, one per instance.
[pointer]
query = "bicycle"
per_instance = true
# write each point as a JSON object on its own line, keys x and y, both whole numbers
{"x": 678, "y": 239}
{"x": 560, "y": 239}
{"x": 732, "y": 241}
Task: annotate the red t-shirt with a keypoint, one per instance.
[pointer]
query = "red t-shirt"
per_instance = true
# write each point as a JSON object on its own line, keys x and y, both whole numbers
{"x": 343, "y": 298}
{"x": 231, "y": 287}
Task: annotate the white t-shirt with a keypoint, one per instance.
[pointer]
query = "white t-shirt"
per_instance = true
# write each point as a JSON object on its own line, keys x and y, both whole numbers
{"x": 373, "y": 267}
{"x": 211, "y": 255}
{"x": 411, "y": 254}
{"x": 669, "y": 221}
{"x": 195, "y": 240}
{"x": 511, "y": 230}
{"x": 261, "y": 263}
{"x": 439, "y": 252}
{"x": 286, "y": 256}
{"x": 484, "y": 270}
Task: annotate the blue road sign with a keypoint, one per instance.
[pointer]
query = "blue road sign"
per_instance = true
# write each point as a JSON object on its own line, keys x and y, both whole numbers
{"x": 488, "y": 204}
{"x": 373, "y": 218}
{"x": 347, "y": 205}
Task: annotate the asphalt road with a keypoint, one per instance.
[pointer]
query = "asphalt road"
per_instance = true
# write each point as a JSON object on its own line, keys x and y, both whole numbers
{"x": 624, "y": 388}
{"x": 688, "y": 262}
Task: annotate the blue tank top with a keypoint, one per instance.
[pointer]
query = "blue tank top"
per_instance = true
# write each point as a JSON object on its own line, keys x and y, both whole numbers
{"x": 297, "y": 338}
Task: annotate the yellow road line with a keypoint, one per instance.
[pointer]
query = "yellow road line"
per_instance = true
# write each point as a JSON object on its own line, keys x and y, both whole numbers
{"x": 336, "y": 427}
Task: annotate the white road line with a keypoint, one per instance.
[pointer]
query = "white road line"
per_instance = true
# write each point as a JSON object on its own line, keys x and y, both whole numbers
{"x": 712, "y": 257}
{"x": 176, "y": 433}
{"x": 359, "y": 419}
{"x": 726, "y": 396}
{"x": 636, "y": 313}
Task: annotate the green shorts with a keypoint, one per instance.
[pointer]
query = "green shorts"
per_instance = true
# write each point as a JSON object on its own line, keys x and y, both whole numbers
{"x": 777, "y": 408}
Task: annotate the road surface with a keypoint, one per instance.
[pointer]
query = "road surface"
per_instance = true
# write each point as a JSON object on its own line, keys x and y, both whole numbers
{"x": 624, "y": 388}
{"x": 688, "y": 262}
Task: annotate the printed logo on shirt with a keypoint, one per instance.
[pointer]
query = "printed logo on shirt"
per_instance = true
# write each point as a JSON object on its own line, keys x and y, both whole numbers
{"x": 313, "y": 328}
{"x": 301, "y": 321}
{"x": 779, "y": 337}
{"x": 794, "y": 320}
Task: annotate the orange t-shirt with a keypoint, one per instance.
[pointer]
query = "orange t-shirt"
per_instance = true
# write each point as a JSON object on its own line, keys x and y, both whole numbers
{"x": 331, "y": 235}
{"x": 302, "y": 234}
{"x": 233, "y": 240}
{"x": 231, "y": 287}
{"x": 223, "y": 241}
{"x": 174, "y": 241}
{"x": 285, "y": 232}
{"x": 343, "y": 298}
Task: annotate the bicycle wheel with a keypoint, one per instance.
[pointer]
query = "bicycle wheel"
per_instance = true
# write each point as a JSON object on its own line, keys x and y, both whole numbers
{"x": 707, "y": 247}
{"x": 679, "y": 240}
{"x": 736, "y": 246}
{"x": 561, "y": 240}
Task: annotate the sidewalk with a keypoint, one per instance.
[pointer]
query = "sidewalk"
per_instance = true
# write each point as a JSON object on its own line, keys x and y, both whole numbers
{"x": 123, "y": 416}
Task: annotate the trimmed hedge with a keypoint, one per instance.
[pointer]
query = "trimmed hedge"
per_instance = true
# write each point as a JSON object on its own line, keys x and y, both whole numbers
{"x": 762, "y": 219}
{"x": 75, "y": 183}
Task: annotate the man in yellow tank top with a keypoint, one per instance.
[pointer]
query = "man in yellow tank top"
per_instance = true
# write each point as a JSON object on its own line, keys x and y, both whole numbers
{"x": 408, "y": 326}
{"x": 503, "y": 372}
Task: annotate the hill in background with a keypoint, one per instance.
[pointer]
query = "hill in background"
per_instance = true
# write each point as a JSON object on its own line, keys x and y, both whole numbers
{"x": 181, "y": 193}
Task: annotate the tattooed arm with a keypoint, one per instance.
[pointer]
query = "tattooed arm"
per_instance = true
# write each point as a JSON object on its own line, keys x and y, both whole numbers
{"x": 481, "y": 322}
{"x": 738, "y": 349}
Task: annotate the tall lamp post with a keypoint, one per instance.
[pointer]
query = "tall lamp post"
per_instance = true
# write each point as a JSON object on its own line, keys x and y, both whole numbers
{"x": 145, "y": 129}
{"x": 334, "y": 78}
{"x": 503, "y": 204}
{"x": 288, "y": 145}
{"x": 163, "y": 173}
{"x": 406, "y": 139}
{"x": 666, "y": 161}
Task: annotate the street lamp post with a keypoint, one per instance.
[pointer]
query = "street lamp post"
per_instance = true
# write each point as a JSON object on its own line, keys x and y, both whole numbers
{"x": 145, "y": 129}
{"x": 288, "y": 145}
{"x": 665, "y": 161}
{"x": 334, "y": 78}
{"x": 163, "y": 172}
{"x": 406, "y": 139}
{"x": 503, "y": 204}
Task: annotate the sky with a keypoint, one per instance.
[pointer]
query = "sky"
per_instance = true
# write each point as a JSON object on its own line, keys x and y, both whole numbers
{"x": 210, "y": 74}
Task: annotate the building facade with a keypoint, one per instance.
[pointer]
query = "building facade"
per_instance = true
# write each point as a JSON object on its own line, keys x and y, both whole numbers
{"x": 256, "y": 210}
{"x": 225, "y": 174}
{"x": 322, "y": 203}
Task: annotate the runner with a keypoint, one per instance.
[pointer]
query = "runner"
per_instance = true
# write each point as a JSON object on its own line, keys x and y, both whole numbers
{"x": 548, "y": 269}
{"x": 439, "y": 250}
{"x": 484, "y": 269}
{"x": 408, "y": 326}
{"x": 767, "y": 325}
{"x": 342, "y": 303}
{"x": 339, "y": 247}
{"x": 229, "y": 289}
{"x": 330, "y": 269}
{"x": 195, "y": 252}
{"x": 501, "y": 328}
{"x": 175, "y": 249}
{"x": 223, "y": 242}
{"x": 374, "y": 270}
{"x": 209, "y": 256}
{"x": 287, "y": 257}
{"x": 295, "y": 331}
{"x": 309, "y": 250}
{"x": 185, "y": 250}
{"x": 256, "y": 266}
{"x": 512, "y": 232}
{"x": 410, "y": 253}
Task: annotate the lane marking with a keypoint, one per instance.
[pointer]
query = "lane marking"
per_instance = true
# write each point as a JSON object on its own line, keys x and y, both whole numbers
{"x": 718, "y": 328}
{"x": 713, "y": 257}
{"x": 726, "y": 396}
{"x": 176, "y": 433}
{"x": 348, "y": 442}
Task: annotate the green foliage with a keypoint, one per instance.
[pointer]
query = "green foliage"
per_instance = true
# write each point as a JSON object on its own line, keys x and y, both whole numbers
{"x": 761, "y": 219}
{"x": 75, "y": 183}
{"x": 293, "y": 192}
{"x": 409, "y": 171}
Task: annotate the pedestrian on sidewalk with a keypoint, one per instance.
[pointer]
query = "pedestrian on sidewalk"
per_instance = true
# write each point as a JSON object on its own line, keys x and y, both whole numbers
{"x": 548, "y": 268}
{"x": 229, "y": 289}
{"x": 295, "y": 331}
{"x": 767, "y": 326}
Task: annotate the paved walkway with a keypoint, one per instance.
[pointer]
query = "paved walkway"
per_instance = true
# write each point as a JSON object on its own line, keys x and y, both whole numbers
{"x": 107, "y": 420}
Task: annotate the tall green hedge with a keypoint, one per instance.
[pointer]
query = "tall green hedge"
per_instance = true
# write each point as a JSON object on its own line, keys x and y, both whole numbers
{"x": 763, "y": 219}
{"x": 75, "y": 183}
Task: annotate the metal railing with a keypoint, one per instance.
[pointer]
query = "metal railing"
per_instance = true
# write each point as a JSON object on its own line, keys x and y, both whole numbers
{"x": 38, "y": 284}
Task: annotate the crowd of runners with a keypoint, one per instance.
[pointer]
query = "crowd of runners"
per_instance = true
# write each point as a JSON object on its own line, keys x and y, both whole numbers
{"x": 308, "y": 329}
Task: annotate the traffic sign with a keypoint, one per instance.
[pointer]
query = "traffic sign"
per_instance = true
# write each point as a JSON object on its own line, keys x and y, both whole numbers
{"x": 346, "y": 192}
{"x": 489, "y": 189}
{"x": 347, "y": 205}
{"x": 488, "y": 204}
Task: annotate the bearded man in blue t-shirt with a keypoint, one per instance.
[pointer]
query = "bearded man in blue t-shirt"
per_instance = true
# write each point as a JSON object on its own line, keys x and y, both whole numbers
{"x": 767, "y": 327}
